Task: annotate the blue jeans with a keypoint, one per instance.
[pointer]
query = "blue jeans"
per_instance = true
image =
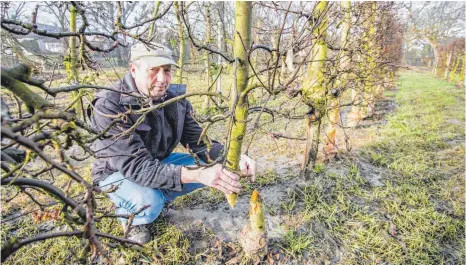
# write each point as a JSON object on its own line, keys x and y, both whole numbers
{"x": 130, "y": 197}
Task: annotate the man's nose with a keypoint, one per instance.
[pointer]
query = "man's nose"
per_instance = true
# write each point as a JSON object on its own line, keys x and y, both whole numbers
{"x": 161, "y": 76}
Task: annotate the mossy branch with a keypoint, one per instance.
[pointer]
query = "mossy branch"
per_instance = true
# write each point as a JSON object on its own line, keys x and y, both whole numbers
{"x": 11, "y": 81}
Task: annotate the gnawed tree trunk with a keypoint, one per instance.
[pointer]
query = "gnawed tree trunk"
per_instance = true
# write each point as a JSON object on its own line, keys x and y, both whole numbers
{"x": 239, "y": 120}
{"x": 208, "y": 41}
{"x": 253, "y": 237}
{"x": 331, "y": 147}
{"x": 179, "y": 71}
{"x": 314, "y": 89}
{"x": 71, "y": 65}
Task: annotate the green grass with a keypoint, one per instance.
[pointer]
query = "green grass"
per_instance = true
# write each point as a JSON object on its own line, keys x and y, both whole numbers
{"x": 417, "y": 216}
{"x": 294, "y": 243}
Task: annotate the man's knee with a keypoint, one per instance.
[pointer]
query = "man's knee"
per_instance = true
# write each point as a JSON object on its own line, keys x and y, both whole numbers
{"x": 151, "y": 213}
{"x": 152, "y": 203}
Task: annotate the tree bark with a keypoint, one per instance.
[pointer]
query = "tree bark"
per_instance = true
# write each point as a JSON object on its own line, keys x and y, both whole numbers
{"x": 314, "y": 88}
{"x": 331, "y": 147}
{"x": 368, "y": 46}
{"x": 433, "y": 43}
{"x": 448, "y": 65}
{"x": 239, "y": 120}
{"x": 220, "y": 42}
{"x": 72, "y": 68}
{"x": 179, "y": 71}
{"x": 208, "y": 41}
{"x": 9, "y": 80}
{"x": 152, "y": 25}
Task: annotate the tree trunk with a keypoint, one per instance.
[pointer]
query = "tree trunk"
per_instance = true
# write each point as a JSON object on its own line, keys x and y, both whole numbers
{"x": 455, "y": 69}
{"x": 314, "y": 88}
{"x": 152, "y": 25}
{"x": 462, "y": 72}
{"x": 368, "y": 103}
{"x": 239, "y": 121}
{"x": 448, "y": 65}
{"x": 354, "y": 117}
{"x": 433, "y": 43}
{"x": 220, "y": 42}
{"x": 179, "y": 71}
{"x": 208, "y": 41}
{"x": 331, "y": 147}
{"x": 72, "y": 68}
{"x": 313, "y": 124}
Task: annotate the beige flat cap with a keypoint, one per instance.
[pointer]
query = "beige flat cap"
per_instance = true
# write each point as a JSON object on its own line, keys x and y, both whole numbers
{"x": 157, "y": 56}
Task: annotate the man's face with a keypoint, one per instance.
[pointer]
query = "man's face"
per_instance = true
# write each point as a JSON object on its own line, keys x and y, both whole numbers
{"x": 151, "y": 81}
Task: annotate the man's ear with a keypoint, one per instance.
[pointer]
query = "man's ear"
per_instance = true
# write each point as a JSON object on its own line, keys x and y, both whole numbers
{"x": 132, "y": 69}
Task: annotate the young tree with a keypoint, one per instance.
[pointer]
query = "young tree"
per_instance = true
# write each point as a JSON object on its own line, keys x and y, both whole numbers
{"x": 239, "y": 102}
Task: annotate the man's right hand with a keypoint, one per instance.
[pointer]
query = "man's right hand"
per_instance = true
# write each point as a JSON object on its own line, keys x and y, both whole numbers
{"x": 215, "y": 176}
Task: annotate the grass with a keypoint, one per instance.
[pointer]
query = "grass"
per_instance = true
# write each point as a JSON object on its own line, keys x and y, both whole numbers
{"x": 415, "y": 215}
{"x": 294, "y": 243}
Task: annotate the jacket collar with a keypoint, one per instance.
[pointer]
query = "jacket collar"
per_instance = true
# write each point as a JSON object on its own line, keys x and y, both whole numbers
{"x": 128, "y": 85}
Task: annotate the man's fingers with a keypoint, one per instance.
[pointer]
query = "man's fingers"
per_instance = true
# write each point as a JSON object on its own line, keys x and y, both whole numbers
{"x": 230, "y": 174}
{"x": 229, "y": 180}
{"x": 222, "y": 189}
{"x": 226, "y": 188}
{"x": 253, "y": 171}
{"x": 232, "y": 186}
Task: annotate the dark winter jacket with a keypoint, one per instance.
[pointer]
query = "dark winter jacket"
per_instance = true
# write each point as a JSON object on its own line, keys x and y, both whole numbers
{"x": 137, "y": 154}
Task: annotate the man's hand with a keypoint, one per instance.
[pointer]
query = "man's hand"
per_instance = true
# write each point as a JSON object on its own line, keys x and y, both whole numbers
{"x": 248, "y": 167}
{"x": 215, "y": 176}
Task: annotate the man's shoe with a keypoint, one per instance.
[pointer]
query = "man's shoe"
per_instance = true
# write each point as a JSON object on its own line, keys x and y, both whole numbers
{"x": 140, "y": 234}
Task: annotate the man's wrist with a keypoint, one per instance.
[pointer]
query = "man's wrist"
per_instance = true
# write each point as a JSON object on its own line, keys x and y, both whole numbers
{"x": 189, "y": 176}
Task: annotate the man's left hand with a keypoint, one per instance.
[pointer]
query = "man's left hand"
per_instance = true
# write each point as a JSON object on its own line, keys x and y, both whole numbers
{"x": 248, "y": 167}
